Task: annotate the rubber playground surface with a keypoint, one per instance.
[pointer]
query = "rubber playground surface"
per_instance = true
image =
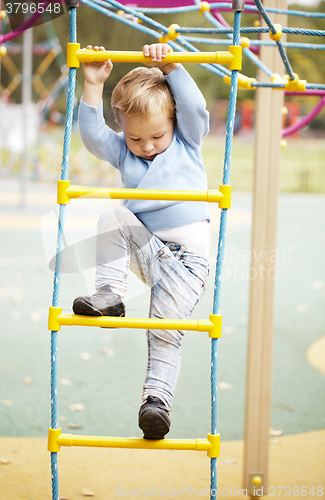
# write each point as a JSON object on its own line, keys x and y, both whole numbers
{"x": 101, "y": 372}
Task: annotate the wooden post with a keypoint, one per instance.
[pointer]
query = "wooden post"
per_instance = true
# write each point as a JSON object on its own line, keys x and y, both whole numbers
{"x": 268, "y": 121}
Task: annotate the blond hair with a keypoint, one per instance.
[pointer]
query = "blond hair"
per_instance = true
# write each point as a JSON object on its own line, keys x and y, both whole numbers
{"x": 144, "y": 92}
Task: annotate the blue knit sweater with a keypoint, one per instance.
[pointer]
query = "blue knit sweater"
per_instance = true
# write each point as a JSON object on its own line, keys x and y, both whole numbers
{"x": 179, "y": 167}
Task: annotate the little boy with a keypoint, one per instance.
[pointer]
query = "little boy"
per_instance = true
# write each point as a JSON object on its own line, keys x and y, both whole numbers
{"x": 165, "y": 243}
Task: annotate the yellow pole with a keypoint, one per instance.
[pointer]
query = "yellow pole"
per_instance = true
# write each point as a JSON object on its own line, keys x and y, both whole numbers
{"x": 85, "y": 55}
{"x": 76, "y": 55}
{"x": 213, "y": 325}
{"x": 211, "y": 445}
{"x": 116, "y": 442}
{"x": 39, "y": 85}
{"x": 143, "y": 194}
{"x": 13, "y": 84}
{"x": 66, "y": 192}
{"x": 140, "y": 323}
{"x": 47, "y": 61}
{"x": 10, "y": 66}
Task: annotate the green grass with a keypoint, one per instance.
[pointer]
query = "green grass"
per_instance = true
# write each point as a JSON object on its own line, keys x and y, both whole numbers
{"x": 302, "y": 166}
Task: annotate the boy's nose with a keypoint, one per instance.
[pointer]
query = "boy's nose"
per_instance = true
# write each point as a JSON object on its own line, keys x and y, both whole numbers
{"x": 148, "y": 147}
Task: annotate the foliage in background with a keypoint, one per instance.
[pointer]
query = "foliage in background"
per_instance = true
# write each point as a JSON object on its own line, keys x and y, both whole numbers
{"x": 96, "y": 29}
{"x": 302, "y": 164}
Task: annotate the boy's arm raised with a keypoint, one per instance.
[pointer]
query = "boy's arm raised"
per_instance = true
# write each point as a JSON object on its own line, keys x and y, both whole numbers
{"x": 98, "y": 138}
{"x": 192, "y": 116}
{"x": 95, "y": 76}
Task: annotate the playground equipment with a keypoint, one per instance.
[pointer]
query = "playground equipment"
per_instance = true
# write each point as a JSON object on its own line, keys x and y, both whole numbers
{"x": 56, "y": 318}
{"x": 256, "y": 476}
{"x": 263, "y": 213}
{"x": 51, "y": 51}
{"x": 20, "y": 129}
{"x": 22, "y": 126}
{"x": 212, "y": 12}
{"x": 56, "y": 439}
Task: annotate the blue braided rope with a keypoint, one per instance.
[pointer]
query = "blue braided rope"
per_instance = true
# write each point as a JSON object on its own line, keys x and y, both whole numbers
{"x": 170, "y": 10}
{"x": 220, "y": 256}
{"x": 214, "y": 351}
{"x": 221, "y": 5}
{"x": 54, "y": 412}
{"x": 184, "y": 43}
{"x": 58, "y": 261}
{"x": 257, "y": 61}
{"x": 298, "y": 13}
{"x": 157, "y": 25}
{"x": 214, "y": 342}
{"x": 285, "y": 59}
{"x": 278, "y": 42}
{"x": 213, "y": 68}
{"x": 99, "y": 6}
{"x": 253, "y": 8}
{"x": 258, "y": 43}
{"x": 297, "y": 31}
{"x": 219, "y": 70}
{"x": 268, "y": 85}
{"x": 265, "y": 16}
{"x": 295, "y": 45}
{"x": 292, "y": 31}
{"x": 315, "y": 86}
{"x": 223, "y": 219}
{"x": 247, "y": 52}
{"x": 133, "y": 12}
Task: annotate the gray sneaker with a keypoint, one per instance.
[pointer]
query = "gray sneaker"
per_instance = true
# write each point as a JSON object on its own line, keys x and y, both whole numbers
{"x": 154, "y": 419}
{"x": 103, "y": 303}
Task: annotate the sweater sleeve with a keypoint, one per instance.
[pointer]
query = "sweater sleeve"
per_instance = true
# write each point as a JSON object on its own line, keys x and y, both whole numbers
{"x": 191, "y": 114}
{"x": 98, "y": 138}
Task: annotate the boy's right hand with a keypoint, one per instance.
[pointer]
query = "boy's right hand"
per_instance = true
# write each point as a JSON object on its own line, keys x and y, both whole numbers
{"x": 95, "y": 75}
{"x": 97, "y": 72}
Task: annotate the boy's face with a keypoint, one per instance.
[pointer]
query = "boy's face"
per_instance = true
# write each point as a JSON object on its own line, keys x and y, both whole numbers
{"x": 147, "y": 137}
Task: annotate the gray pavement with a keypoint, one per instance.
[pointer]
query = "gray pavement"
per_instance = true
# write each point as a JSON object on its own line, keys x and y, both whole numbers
{"x": 101, "y": 372}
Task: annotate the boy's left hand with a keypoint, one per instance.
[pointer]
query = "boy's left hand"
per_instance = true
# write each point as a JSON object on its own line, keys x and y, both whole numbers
{"x": 157, "y": 52}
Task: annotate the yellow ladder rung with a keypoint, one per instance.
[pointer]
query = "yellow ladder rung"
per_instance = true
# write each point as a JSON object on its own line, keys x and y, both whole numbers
{"x": 76, "y": 55}
{"x": 211, "y": 445}
{"x": 66, "y": 192}
{"x": 212, "y": 325}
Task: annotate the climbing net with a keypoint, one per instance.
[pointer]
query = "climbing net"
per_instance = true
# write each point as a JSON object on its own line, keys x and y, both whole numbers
{"x": 138, "y": 18}
{"x": 211, "y": 12}
{"x": 113, "y": 9}
{"x": 179, "y": 39}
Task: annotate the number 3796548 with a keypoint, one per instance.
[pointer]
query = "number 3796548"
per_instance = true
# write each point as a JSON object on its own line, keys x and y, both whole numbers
{"x": 32, "y": 7}
{"x": 303, "y": 491}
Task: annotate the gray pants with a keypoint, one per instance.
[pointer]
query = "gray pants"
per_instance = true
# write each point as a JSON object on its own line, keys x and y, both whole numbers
{"x": 177, "y": 279}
